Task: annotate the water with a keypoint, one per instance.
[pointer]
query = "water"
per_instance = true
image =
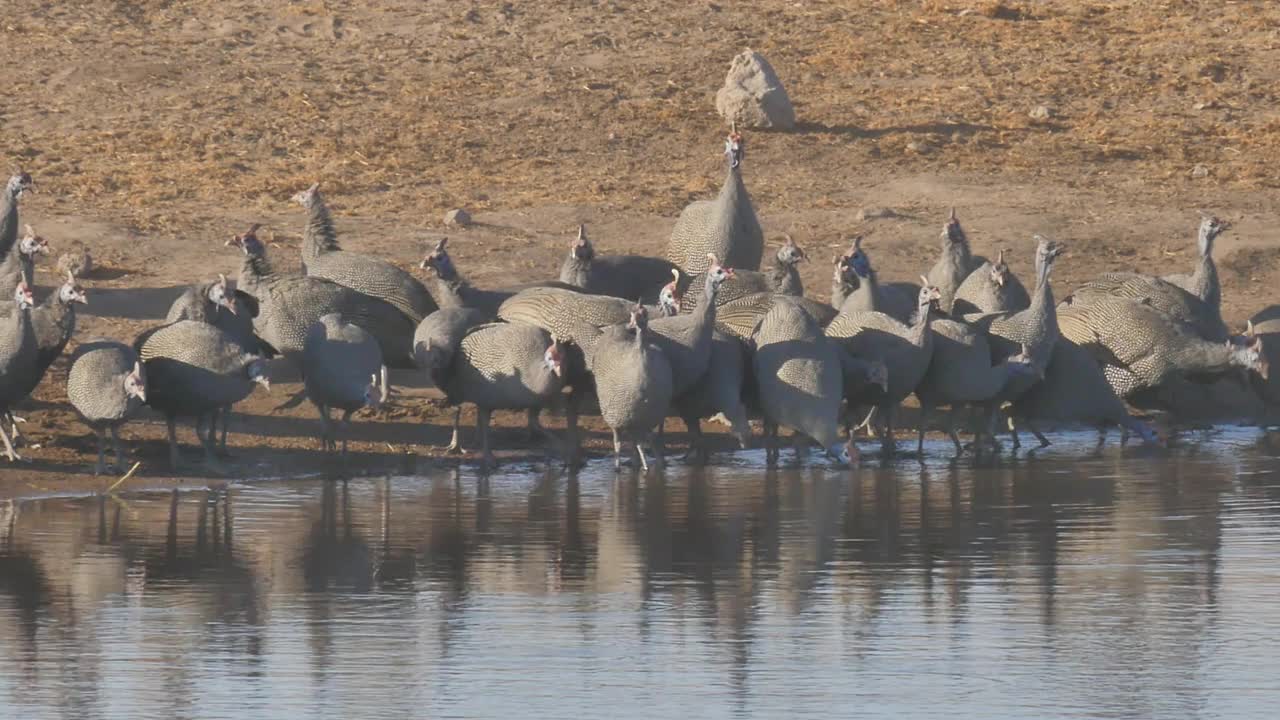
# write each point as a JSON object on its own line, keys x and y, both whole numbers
{"x": 1126, "y": 584}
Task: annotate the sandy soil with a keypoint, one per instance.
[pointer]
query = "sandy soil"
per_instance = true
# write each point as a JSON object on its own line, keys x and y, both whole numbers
{"x": 157, "y": 129}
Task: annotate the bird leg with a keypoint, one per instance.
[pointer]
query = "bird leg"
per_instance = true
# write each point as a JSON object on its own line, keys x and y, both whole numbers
{"x": 482, "y": 429}
{"x": 8, "y": 447}
{"x": 455, "y": 444}
{"x": 15, "y": 432}
{"x": 173, "y": 442}
{"x": 211, "y": 462}
{"x": 102, "y": 451}
{"x": 951, "y": 431}
{"x": 617, "y": 452}
{"x": 324, "y": 426}
{"x": 924, "y": 424}
{"x": 573, "y": 458}
{"x": 770, "y": 443}
{"x": 889, "y": 446}
{"x": 225, "y": 415}
{"x": 697, "y": 452}
{"x": 344, "y": 427}
{"x": 121, "y": 460}
{"x": 658, "y": 441}
{"x": 533, "y": 427}
{"x": 1044, "y": 441}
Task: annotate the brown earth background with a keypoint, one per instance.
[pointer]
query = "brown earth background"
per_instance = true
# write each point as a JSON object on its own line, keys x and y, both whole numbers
{"x": 157, "y": 129}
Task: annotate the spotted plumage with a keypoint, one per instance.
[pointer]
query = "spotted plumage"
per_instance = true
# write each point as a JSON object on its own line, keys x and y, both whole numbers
{"x": 323, "y": 257}
{"x": 726, "y": 227}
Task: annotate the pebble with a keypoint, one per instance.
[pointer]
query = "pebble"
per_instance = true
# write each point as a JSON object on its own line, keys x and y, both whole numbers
{"x": 1200, "y": 171}
{"x": 1041, "y": 113}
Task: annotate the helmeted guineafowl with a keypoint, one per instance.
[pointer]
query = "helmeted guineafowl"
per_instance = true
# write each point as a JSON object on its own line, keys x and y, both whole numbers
{"x": 782, "y": 277}
{"x": 740, "y": 317}
{"x": 904, "y": 349}
{"x": 844, "y": 281}
{"x": 955, "y": 264}
{"x": 799, "y": 379}
{"x": 54, "y": 320}
{"x": 991, "y": 288}
{"x": 438, "y": 336}
{"x": 1140, "y": 347}
{"x": 1203, "y": 281}
{"x": 193, "y": 370}
{"x": 629, "y": 277}
{"x": 1031, "y": 332}
{"x": 19, "y": 358}
{"x": 323, "y": 257}
{"x": 20, "y": 264}
{"x": 1203, "y": 315}
{"x": 232, "y": 310}
{"x": 1074, "y": 391}
{"x": 503, "y": 366}
{"x": 288, "y": 305}
{"x": 961, "y": 373}
{"x": 633, "y": 384}
{"x": 720, "y": 392}
{"x": 686, "y": 339}
{"x": 10, "y": 263}
{"x": 343, "y": 370}
{"x": 105, "y": 385}
{"x": 726, "y": 227}
{"x": 451, "y": 289}
{"x": 897, "y": 300}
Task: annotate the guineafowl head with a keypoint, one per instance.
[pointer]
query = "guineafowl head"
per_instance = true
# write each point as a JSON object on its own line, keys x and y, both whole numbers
{"x": 33, "y": 244}
{"x": 248, "y": 242}
{"x": 553, "y": 358}
{"x": 716, "y": 273}
{"x": 790, "y": 253}
{"x": 256, "y": 371}
{"x": 857, "y": 260}
{"x": 438, "y": 259}
{"x": 1046, "y": 252}
{"x": 135, "y": 383}
{"x": 999, "y": 271}
{"x": 70, "y": 292}
{"x": 18, "y": 184}
{"x": 22, "y": 296}
{"x": 1247, "y": 352}
{"x": 669, "y": 297}
{"x": 952, "y": 233}
{"x": 930, "y": 296}
{"x": 309, "y": 197}
{"x": 733, "y": 148}
{"x": 581, "y": 249}
{"x": 844, "y": 273}
{"x": 218, "y": 295}
{"x": 1210, "y": 228}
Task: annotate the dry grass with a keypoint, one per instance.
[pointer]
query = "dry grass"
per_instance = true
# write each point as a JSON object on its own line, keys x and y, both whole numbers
{"x": 147, "y": 109}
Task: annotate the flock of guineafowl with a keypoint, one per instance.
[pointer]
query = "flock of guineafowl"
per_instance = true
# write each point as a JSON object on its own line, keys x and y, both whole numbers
{"x": 715, "y": 330}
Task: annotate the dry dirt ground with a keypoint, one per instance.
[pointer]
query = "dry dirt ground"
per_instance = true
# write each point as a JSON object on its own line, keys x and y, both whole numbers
{"x": 156, "y": 129}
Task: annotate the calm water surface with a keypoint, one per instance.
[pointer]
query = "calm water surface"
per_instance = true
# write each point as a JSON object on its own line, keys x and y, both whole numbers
{"x": 1125, "y": 584}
